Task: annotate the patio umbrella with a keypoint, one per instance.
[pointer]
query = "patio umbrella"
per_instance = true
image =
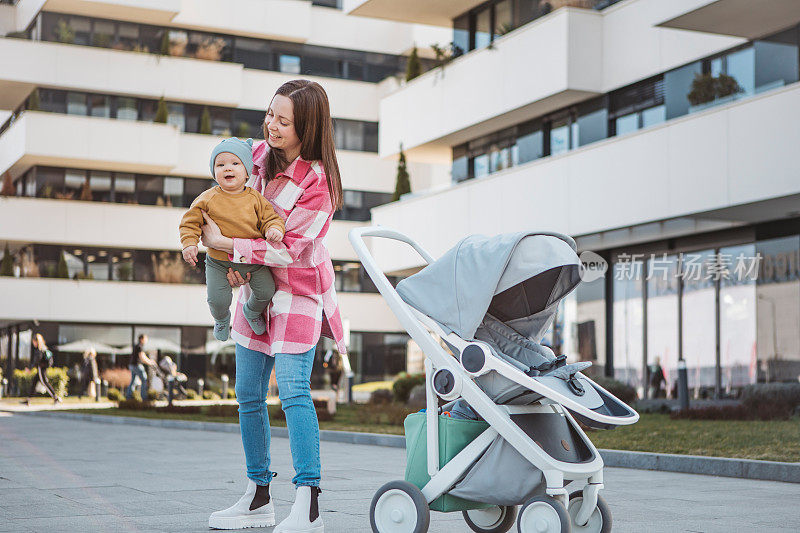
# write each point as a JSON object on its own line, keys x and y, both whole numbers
{"x": 82, "y": 345}
{"x": 155, "y": 343}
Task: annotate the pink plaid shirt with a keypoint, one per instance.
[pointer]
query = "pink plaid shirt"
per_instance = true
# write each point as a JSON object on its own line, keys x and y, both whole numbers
{"x": 304, "y": 306}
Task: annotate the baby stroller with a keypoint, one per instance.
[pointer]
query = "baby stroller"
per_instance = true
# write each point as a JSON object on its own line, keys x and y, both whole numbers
{"x": 517, "y": 440}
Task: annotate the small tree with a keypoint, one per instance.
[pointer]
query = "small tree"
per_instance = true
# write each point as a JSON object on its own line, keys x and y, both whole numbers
{"x": 86, "y": 192}
{"x": 413, "y": 66}
{"x": 7, "y": 265}
{"x": 403, "y": 184}
{"x": 161, "y": 112}
{"x": 163, "y": 48}
{"x": 205, "y": 122}
{"x": 8, "y": 186}
{"x": 33, "y": 101}
{"x": 62, "y": 271}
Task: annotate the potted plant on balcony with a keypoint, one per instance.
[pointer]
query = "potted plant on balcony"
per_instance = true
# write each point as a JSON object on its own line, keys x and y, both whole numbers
{"x": 703, "y": 89}
{"x": 162, "y": 114}
{"x": 413, "y": 66}
{"x": 64, "y": 32}
{"x": 101, "y": 40}
{"x": 124, "y": 271}
{"x": 62, "y": 270}
{"x": 205, "y": 122}
{"x": 7, "y": 264}
{"x": 727, "y": 86}
{"x": 86, "y": 192}
{"x": 167, "y": 268}
{"x": 210, "y": 48}
{"x": 403, "y": 183}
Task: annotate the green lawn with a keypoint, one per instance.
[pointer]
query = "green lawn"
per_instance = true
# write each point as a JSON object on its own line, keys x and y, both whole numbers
{"x": 771, "y": 441}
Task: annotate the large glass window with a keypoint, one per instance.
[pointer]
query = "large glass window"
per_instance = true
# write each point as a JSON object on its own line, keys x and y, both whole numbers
{"x": 776, "y": 60}
{"x": 590, "y": 320}
{"x": 76, "y": 104}
{"x": 483, "y": 27}
{"x": 560, "y": 136}
{"x": 737, "y": 318}
{"x": 662, "y": 323}
{"x": 699, "y": 313}
{"x": 530, "y": 145}
{"x": 677, "y": 85}
{"x": 628, "y": 321}
{"x": 127, "y": 109}
{"x": 100, "y": 186}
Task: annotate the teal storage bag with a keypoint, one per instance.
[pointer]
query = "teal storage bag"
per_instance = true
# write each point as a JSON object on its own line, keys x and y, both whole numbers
{"x": 454, "y": 435}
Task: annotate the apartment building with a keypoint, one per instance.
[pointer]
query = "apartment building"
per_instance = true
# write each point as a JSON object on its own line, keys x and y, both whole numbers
{"x": 96, "y": 184}
{"x": 661, "y": 135}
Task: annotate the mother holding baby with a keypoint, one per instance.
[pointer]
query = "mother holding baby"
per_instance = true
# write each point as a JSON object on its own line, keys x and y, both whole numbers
{"x": 296, "y": 170}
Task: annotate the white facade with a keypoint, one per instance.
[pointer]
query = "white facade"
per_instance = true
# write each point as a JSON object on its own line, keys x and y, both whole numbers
{"x": 36, "y": 139}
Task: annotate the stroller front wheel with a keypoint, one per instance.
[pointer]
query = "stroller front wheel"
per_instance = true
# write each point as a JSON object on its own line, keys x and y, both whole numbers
{"x": 497, "y": 519}
{"x": 399, "y": 507}
{"x": 543, "y": 514}
{"x": 599, "y": 520}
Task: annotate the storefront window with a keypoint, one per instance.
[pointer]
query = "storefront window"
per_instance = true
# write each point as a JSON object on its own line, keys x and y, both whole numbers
{"x": 737, "y": 318}
{"x": 699, "y": 322}
{"x": 628, "y": 321}
{"x": 591, "y": 324}
{"x": 662, "y": 322}
{"x": 778, "y": 308}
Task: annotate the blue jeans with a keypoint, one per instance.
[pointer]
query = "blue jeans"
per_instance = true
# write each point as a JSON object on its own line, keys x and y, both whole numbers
{"x": 137, "y": 372}
{"x": 293, "y": 372}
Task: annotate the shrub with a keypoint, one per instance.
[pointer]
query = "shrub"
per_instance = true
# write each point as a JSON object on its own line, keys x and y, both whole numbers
{"x": 402, "y": 184}
{"x": 56, "y": 376}
{"x": 115, "y": 395}
{"x": 179, "y": 409}
{"x": 621, "y": 390}
{"x": 7, "y": 265}
{"x": 380, "y": 397}
{"x": 191, "y": 394}
{"x": 118, "y": 378}
{"x": 221, "y": 410}
{"x": 62, "y": 270}
{"x": 162, "y": 114}
{"x": 152, "y": 394}
{"x": 205, "y": 122}
{"x": 401, "y": 388}
{"x": 211, "y": 395}
{"x": 392, "y": 414}
{"x": 771, "y": 394}
{"x": 413, "y": 66}
{"x": 135, "y": 405}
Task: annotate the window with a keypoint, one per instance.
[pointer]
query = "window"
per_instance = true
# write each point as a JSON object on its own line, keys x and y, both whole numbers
{"x": 76, "y": 104}
{"x": 776, "y": 59}
{"x": 289, "y": 64}
{"x": 73, "y": 183}
{"x": 175, "y": 116}
{"x": 99, "y": 105}
{"x": 127, "y": 109}
{"x": 627, "y": 123}
{"x": 100, "y": 186}
{"x": 124, "y": 188}
{"x": 530, "y": 144}
{"x": 483, "y": 28}
{"x": 560, "y": 136}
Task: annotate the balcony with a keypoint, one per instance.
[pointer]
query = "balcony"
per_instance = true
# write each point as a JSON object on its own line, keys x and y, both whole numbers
{"x": 417, "y": 11}
{"x": 486, "y": 90}
{"x": 705, "y": 165}
{"x": 79, "y": 223}
{"x": 740, "y": 18}
{"x": 28, "y": 64}
{"x": 148, "y": 303}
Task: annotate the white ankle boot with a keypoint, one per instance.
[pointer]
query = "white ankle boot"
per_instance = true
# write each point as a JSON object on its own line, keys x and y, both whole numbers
{"x": 304, "y": 517}
{"x": 254, "y": 509}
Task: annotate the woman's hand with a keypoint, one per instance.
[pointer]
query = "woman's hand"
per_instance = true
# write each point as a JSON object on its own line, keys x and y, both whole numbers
{"x": 235, "y": 279}
{"x": 213, "y": 237}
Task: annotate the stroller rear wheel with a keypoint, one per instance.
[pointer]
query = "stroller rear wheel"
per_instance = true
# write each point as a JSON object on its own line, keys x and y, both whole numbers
{"x": 399, "y": 507}
{"x": 599, "y": 520}
{"x": 543, "y": 514}
{"x": 497, "y": 519}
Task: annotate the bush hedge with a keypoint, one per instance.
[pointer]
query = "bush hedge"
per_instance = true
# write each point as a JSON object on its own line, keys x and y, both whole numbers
{"x": 768, "y": 394}
{"x": 56, "y": 376}
{"x": 115, "y": 395}
{"x": 401, "y": 388}
{"x": 381, "y": 397}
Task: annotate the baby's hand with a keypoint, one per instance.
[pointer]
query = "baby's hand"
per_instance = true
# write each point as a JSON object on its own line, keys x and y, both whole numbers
{"x": 274, "y": 235}
{"x": 190, "y": 255}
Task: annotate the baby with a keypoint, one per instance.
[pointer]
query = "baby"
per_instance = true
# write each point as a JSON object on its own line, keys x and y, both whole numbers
{"x": 240, "y": 212}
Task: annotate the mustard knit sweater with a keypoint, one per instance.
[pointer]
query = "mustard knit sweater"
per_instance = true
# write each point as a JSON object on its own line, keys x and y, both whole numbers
{"x": 243, "y": 215}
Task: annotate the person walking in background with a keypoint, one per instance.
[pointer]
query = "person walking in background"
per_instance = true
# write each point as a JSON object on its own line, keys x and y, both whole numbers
{"x": 657, "y": 379}
{"x": 89, "y": 374}
{"x": 42, "y": 359}
{"x": 139, "y": 358}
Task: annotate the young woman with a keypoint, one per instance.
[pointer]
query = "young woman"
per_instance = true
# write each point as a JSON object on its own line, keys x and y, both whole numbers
{"x": 296, "y": 170}
{"x": 42, "y": 359}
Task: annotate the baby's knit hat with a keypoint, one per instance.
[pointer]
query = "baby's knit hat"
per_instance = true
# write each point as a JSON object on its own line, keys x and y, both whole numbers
{"x": 241, "y": 149}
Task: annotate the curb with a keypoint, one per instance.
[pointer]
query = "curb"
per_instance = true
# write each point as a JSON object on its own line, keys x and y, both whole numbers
{"x": 690, "y": 464}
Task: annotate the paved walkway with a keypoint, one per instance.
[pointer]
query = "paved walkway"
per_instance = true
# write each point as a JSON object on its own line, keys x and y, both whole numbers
{"x": 64, "y": 476}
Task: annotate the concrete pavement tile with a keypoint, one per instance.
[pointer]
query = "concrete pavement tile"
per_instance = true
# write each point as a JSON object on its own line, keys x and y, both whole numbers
{"x": 52, "y": 508}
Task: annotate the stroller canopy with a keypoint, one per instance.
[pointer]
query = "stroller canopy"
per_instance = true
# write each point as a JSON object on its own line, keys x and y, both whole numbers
{"x": 517, "y": 278}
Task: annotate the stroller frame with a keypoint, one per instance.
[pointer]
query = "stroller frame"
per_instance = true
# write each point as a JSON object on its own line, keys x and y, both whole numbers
{"x": 420, "y": 327}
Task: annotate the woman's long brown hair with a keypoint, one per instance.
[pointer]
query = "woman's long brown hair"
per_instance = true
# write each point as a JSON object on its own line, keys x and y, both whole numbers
{"x": 314, "y": 127}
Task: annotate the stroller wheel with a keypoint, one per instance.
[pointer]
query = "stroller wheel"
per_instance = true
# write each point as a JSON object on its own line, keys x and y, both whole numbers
{"x": 399, "y": 507}
{"x": 543, "y": 514}
{"x": 497, "y": 519}
{"x": 599, "y": 520}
